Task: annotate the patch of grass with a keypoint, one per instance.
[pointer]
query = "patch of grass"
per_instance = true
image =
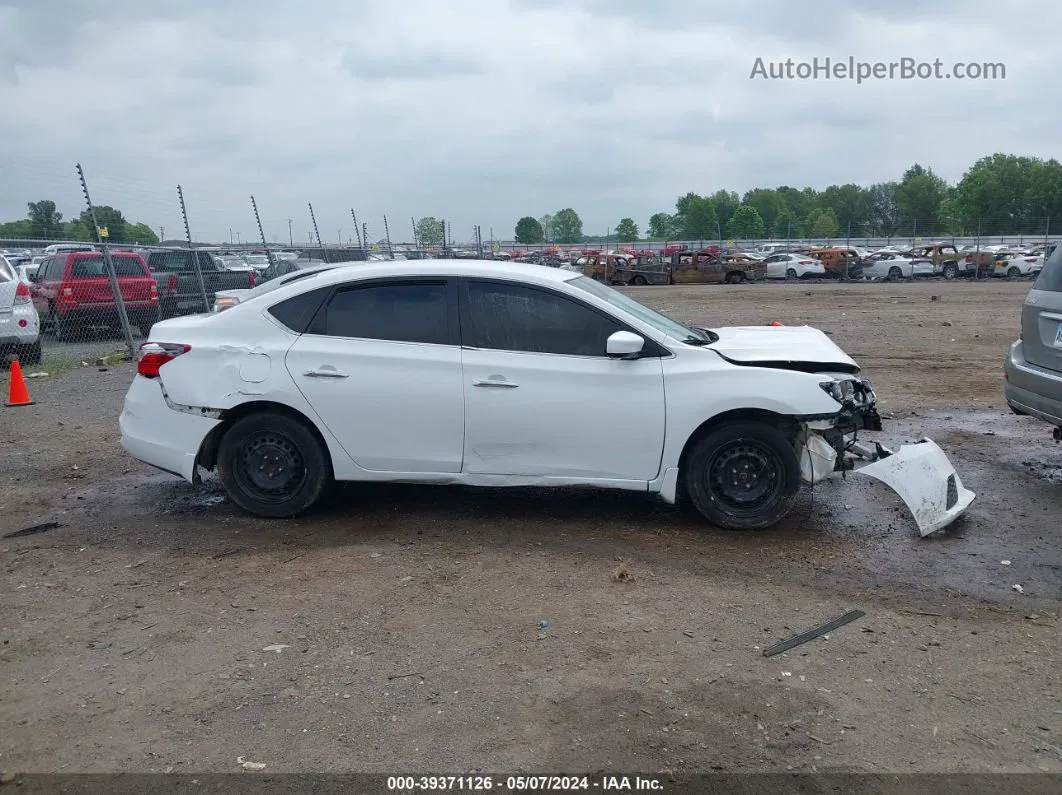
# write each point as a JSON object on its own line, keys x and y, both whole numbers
{"x": 52, "y": 365}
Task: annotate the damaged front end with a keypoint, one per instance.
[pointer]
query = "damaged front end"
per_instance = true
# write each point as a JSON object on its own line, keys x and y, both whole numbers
{"x": 919, "y": 473}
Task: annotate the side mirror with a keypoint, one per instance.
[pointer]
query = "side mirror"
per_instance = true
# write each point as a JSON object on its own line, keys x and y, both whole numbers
{"x": 624, "y": 345}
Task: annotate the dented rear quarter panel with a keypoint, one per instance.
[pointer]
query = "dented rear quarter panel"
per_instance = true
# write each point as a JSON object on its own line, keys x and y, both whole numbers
{"x": 238, "y": 373}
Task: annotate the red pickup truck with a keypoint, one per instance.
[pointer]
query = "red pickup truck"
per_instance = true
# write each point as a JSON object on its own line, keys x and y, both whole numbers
{"x": 72, "y": 291}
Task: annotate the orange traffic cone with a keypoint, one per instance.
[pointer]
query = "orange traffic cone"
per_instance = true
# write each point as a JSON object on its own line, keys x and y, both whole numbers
{"x": 775, "y": 323}
{"x": 17, "y": 393}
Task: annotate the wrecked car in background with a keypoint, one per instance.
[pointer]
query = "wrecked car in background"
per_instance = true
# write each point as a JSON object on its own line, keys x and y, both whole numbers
{"x": 712, "y": 267}
{"x": 310, "y": 382}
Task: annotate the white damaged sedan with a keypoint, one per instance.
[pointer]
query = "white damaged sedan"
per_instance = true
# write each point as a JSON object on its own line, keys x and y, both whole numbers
{"x": 458, "y": 372}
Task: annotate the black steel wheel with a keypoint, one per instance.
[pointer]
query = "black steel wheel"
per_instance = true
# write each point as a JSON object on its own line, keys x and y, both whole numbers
{"x": 272, "y": 465}
{"x": 743, "y": 476}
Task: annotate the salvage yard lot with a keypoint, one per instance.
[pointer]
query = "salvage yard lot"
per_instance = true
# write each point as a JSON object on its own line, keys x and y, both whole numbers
{"x": 406, "y": 618}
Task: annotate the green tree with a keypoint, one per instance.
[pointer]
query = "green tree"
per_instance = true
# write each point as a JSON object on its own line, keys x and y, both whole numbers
{"x": 108, "y": 218}
{"x": 768, "y": 203}
{"x": 15, "y": 230}
{"x": 884, "y": 218}
{"x": 799, "y": 202}
{"x": 1006, "y": 193}
{"x": 627, "y": 230}
{"x": 141, "y": 234}
{"x": 724, "y": 203}
{"x": 547, "y": 227}
{"x": 745, "y": 224}
{"x": 567, "y": 226}
{"x": 45, "y": 222}
{"x": 695, "y": 218}
{"x": 429, "y": 231}
{"x": 529, "y": 230}
{"x": 822, "y": 223}
{"x": 787, "y": 226}
{"x": 661, "y": 226}
{"x": 918, "y": 198}
{"x": 852, "y": 205}
{"x": 76, "y": 230}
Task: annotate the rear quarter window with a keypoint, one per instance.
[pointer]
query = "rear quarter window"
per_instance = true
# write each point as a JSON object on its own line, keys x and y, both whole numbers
{"x": 1050, "y": 278}
{"x": 297, "y": 312}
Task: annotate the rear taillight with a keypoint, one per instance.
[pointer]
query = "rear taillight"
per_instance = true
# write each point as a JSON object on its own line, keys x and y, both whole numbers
{"x": 969, "y": 258}
{"x": 153, "y": 355}
{"x": 171, "y": 285}
{"x": 22, "y": 294}
{"x": 250, "y": 277}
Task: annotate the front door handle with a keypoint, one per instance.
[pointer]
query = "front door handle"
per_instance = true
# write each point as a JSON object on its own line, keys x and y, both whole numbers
{"x": 496, "y": 382}
{"x": 325, "y": 374}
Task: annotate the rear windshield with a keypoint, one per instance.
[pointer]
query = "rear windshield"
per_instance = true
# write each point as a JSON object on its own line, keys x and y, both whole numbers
{"x": 1050, "y": 278}
{"x": 95, "y": 267}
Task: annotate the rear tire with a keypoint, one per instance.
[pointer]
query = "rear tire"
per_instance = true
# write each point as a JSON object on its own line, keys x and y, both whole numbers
{"x": 735, "y": 278}
{"x": 61, "y": 327}
{"x": 272, "y": 465}
{"x": 743, "y": 476}
{"x": 951, "y": 270}
{"x": 895, "y": 274}
{"x": 639, "y": 280}
{"x": 1013, "y": 272}
{"x": 791, "y": 274}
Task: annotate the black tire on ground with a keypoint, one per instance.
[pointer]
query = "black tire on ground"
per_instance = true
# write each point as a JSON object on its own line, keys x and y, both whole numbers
{"x": 61, "y": 327}
{"x": 743, "y": 476}
{"x": 735, "y": 278}
{"x": 1013, "y": 272}
{"x": 791, "y": 273}
{"x": 273, "y": 465}
{"x": 30, "y": 354}
{"x": 895, "y": 273}
{"x": 951, "y": 270}
{"x": 639, "y": 280}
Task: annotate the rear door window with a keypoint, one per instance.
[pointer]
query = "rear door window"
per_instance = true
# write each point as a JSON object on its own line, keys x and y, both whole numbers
{"x": 95, "y": 267}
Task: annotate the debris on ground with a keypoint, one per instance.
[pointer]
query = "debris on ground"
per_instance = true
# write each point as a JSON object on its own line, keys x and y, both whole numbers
{"x": 37, "y": 528}
{"x": 249, "y": 765}
{"x": 277, "y": 647}
{"x": 811, "y": 634}
{"x": 543, "y": 624}
{"x": 622, "y": 574}
{"x": 36, "y": 375}
{"x": 1018, "y": 588}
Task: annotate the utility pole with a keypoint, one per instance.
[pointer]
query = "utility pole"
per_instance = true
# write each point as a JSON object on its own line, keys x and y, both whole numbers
{"x": 291, "y": 240}
{"x": 413, "y": 221}
{"x": 162, "y": 233}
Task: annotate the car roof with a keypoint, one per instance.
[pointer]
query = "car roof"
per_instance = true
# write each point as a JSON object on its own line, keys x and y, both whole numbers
{"x": 446, "y": 267}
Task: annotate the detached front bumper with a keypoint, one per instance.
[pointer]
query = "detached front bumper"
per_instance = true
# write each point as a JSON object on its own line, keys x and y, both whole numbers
{"x": 919, "y": 473}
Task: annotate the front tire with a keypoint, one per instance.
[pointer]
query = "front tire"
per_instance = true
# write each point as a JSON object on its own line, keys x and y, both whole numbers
{"x": 272, "y": 465}
{"x": 639, "y": 281}
{"x": 1013, "y": 273}
{"x": 735, "y": 278}
{"x": 791, "y": 274}
{"x": 743, "y": 476}
{"x": 895, "y": 274}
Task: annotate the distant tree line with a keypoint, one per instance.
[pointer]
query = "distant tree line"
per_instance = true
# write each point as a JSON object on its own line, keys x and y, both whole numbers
{"x": 45, "y": 222}
{"x": 999, "y": 195}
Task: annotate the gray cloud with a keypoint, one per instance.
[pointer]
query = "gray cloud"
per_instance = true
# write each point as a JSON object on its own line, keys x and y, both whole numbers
{"x": 482, "y": 111}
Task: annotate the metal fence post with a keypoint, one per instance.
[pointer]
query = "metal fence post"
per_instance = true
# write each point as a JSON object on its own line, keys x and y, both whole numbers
{"x": 357, "y": 229}
{"x": 387, "y": 237}
{"x": 112, "y": 276}
{"x": 194, "y": 254}
{"x": 316, "y": 233}
{"x": 258, "y": 220}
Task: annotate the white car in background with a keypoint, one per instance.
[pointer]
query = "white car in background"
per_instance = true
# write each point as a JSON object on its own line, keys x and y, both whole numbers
{"x": 455, "y": 371}
{"x": 892, "y": 265}
{"x": 794, "y": 266}
{"x": 1020, "y": 265}
{"x": 20, "y": 327}
{"x": 226, "y": 299}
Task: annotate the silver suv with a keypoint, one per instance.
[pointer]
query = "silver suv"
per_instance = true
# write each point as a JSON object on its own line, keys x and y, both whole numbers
{"x": 1033, "y": 367}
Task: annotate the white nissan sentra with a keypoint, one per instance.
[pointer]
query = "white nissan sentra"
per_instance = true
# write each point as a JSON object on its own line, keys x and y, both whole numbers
{"x": 489, "y": 374}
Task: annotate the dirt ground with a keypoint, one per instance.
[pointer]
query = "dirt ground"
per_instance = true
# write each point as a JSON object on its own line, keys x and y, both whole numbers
{"x": 406, "y": 620}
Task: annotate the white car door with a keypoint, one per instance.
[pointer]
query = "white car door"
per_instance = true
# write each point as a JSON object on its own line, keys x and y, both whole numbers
{"x": 776, "y": 266}
{"x": 541, "y": 396}
{"x": 381, "y": 367}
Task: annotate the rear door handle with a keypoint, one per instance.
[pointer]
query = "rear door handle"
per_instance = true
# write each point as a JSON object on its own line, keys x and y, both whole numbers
{"x": 496, "y": 382}
{"x": 325, "y": 374}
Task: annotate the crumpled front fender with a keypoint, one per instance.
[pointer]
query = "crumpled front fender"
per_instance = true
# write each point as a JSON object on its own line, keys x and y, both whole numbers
{"x": 926, "y": 481}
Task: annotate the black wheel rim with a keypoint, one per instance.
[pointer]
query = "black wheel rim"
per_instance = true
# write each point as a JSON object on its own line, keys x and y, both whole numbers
{"x": 745, "y": 475}
{"x": 270, "y": 467}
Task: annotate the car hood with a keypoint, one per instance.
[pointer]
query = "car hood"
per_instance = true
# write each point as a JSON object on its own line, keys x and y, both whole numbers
{"x": 786, "y": 347}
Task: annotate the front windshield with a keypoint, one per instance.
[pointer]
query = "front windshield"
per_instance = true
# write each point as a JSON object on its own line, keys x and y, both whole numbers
{"x": 658, "y": 321}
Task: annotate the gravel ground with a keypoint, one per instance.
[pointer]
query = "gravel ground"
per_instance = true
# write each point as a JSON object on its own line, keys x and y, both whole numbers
{"x": 406, "y": 619}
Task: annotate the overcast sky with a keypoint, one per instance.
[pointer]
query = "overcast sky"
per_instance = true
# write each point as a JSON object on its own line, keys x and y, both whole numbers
{"x": 481, "y": 111}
